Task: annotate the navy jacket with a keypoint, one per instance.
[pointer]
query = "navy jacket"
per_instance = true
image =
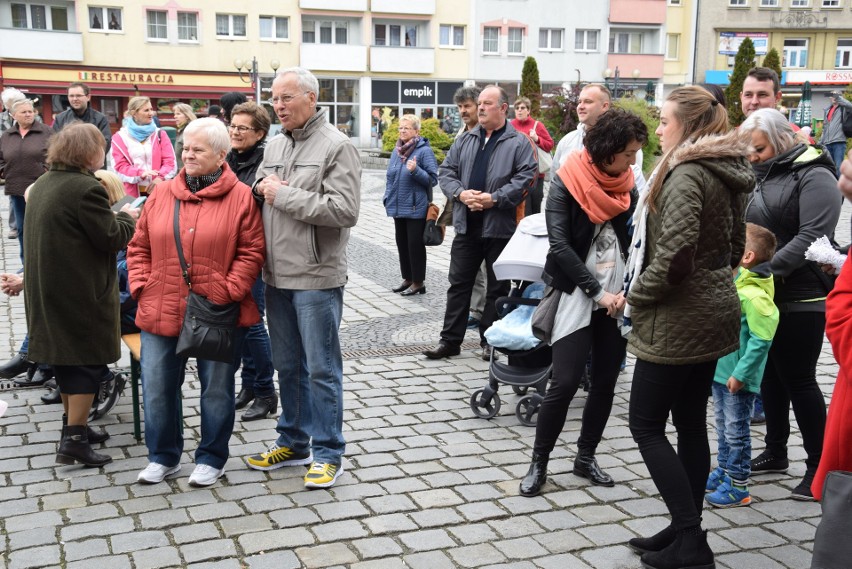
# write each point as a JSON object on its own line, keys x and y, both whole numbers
{"x": 407, "y": 194}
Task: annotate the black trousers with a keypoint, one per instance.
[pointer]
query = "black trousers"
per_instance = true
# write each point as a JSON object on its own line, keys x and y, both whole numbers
{"x": 81, "y": 380}
{"x": 681, "y": 390}
{"x": 533, "y": 199}
{"x": 466, "y": 256}
{"x": 790, "y": 376}
{"x": 409, "y": 245}
{"x": 604, "y": 339}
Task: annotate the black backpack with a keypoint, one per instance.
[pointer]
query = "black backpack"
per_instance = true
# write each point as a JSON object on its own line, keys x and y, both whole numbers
{"x": 846, "y": 122}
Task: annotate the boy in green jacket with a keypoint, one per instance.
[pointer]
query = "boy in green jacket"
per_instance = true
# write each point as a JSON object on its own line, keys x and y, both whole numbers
{"x": 738, "y": 375}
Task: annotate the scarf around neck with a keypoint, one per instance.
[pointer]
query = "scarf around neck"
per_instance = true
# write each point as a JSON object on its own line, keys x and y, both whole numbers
{"x": 600, "y": 195}
{"x": 197, "y": 183}
{"x": 405, "y": 149}
{"x": 139, "y": 132}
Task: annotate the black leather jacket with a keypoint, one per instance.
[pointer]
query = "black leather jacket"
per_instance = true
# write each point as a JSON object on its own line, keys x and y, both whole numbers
{"x": 245, "y": 164}
{"x": 571, "y": 233}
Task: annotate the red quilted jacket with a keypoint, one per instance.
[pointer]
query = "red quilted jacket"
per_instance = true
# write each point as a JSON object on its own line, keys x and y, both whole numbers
{"x": 222, "y": 236}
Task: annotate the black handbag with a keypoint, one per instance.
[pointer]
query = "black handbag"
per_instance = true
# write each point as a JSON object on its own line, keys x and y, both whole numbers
{"x": 832, "y": 546}
{"x": 433, "y": 234}
{"x": 208, "y": 329}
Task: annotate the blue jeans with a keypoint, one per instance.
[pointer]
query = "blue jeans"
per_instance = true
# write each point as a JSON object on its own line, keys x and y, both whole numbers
{"x": 19, "y": 207}
{"x": 303, "y": 326}
{"x": 162, "y": 378}
{"x": 733, "y": 420}
{"x": 257, "y": 351}
{"x": 837, "y": 150}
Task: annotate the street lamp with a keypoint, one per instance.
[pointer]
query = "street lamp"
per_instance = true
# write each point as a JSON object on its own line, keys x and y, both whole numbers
{"x": 616, "y": 76}
{"x": 253, "y": 74}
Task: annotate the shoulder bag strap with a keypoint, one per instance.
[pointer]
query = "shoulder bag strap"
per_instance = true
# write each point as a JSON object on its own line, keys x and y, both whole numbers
{"x": 181, "y": 258}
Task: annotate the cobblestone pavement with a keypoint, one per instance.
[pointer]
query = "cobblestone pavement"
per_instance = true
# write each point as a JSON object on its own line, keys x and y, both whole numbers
{"x": 427, "y": 485}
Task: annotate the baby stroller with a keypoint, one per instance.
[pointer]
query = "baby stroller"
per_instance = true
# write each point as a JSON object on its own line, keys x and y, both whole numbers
{"x": 529, "y": 360}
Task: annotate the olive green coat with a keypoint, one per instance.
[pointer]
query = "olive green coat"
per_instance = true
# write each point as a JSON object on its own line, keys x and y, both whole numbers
{"x": 685, "y": 305}
{"x": 71, "y": 237}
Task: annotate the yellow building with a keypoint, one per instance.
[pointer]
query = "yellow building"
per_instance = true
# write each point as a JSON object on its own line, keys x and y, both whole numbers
{"x": 678, "y": 65}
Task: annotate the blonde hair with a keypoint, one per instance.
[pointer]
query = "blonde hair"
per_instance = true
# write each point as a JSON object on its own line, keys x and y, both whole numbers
{"x": 186, "y": 110}
{"x": 112, "y": 184}
{"x": 413, "y": 119}
{"x": 699, "y": 114}
{"x": 135, "y": 104}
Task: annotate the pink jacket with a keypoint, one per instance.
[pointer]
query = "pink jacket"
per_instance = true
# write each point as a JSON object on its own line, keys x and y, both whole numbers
{"x": 162, "y": 160}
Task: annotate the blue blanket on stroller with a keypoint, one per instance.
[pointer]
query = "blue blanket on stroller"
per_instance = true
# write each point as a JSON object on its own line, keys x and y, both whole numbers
{"x": 514, "y": 331}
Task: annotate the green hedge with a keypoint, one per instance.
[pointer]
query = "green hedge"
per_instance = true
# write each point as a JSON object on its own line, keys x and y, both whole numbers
{"x": 430, "y": 129}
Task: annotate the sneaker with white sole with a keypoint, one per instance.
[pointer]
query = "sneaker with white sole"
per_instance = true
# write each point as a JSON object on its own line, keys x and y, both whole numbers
{"x": 155, "y": 473}
{"x": 277, "y": 457}
{"x": 322, "y": 475}
{"x": 205, "y": 475}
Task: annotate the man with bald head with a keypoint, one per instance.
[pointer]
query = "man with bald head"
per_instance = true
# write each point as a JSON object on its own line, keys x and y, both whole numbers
{"x": 595, "y": 99}
{"x": 487, "y": 172}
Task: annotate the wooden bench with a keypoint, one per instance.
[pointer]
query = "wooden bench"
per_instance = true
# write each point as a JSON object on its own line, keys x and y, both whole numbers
{"x": 134, "y": 344}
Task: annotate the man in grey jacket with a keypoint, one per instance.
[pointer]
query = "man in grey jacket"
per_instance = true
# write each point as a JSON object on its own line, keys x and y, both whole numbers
{"x": 487, "y": 172}
{"x": 80, "y": 110}
{"x": 833, "y": 137}
{"x": 309, "y": 183}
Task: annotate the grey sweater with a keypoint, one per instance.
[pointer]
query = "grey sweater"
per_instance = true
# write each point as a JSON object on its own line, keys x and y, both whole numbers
{"x": 833, "y": 130}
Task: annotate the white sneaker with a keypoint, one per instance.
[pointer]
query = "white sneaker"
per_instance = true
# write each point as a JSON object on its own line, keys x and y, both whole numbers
{"x": 205, "y": 475}
{"x": 155, "y": 473}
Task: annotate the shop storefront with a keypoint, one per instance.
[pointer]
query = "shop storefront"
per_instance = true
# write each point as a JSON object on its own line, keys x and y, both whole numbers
{"x": 425, "y": 99}
{"x": 112, "y": 88}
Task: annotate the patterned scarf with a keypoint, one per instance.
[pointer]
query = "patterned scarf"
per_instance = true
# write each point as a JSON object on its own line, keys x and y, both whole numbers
{"x": 600, "y": 195}
{"x": 405, "y": 149}
{"x": 197, "y": 183}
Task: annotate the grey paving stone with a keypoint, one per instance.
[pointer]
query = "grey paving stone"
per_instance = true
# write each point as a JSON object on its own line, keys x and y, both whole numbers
{"x": 245, "y": 524}
{"x": 289, "y": 538}
{"x": 215, "y": 511}
{"x": 31, "y": 521}
{"x": 326, "y": 555}
{"x": 520, "y": 548}
{"x": 32, "y": 537}
{"x": 617, "y": 557}
{"x": 130, "y": 542}
{"x": 389, "y": 523}
{"x": 470, "y": 534}
{"x": 390, "y": 503}
{"x": 341, "y": 510}
{"x": 429, "y": 560}
{"x": 274, "y": 560}
{"x": 436, "y": 498}
{"x": 267, "y": 503}
{"x": 606, "y": 534}
{"x": 76, "y": 550}
{"x": 564, "y": 561}
{"x": 476, "y": 555}
{"x": 345, "y": 530}
{"x": 294, "y": 517}
{"x": 562, "y": 541}
{"x": 92, "y": 513}
{"x": 156, "y": 558}
{"x": 109, "y": 562}
{"x": 744, "y": 559}
{"x": 163, "y": 519}
{"x": 139, "y": 505}
{"x": 478, "y": 511}
{"x": 599, "y": 514}
{"x": 377, "y": 547}
{"x": 97, "y": 529}
{"x": 790, "y": 555}
{"x": 794, "y": 531}
{"x": 426, "y": 540}
{"x": 195, "y": 532}
{"x": 752, "y": 537}
{"x": 210, "y": 549}
{"x": 517, "y": 526}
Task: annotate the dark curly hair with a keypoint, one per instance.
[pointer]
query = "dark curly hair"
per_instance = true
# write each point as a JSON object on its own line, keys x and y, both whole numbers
{"x": 614, "y": 130}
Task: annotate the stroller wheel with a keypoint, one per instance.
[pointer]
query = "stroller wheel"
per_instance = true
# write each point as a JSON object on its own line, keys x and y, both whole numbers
{"x": 484, "y": 409}
{"x": 520, "y": 390}
{"x": 107, "y": 396}
{"x": 527, "y": 409}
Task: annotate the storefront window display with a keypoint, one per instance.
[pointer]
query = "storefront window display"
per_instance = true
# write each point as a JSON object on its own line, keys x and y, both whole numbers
{"x": 340, "y": 97}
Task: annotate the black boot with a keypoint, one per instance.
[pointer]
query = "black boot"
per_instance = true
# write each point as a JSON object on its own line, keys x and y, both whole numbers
{"x": 52, "y": 397}
{"x": 536, "y": 476}
{"x": 75, "y": 447}
{"x": 586, "y": 466}
{"x": 244, "y": 397}
{"x": 261, "y": 408}
{"x": 95, "y": 437}
{"x": 656, "y": 542}
{"x": 15, "y": 366}
{"x": 688, "y": 551}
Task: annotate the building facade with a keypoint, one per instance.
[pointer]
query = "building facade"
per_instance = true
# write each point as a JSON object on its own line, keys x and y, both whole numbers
{"x": 681, "y": 23}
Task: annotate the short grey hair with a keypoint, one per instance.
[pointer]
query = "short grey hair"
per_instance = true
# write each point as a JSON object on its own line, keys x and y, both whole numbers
{"x": 10, "y": 95}
{"x": 413, "y": 119}
{"x": 307, "y": 80}
{"x": 213, "y": 130}
{"x": 775, "y": 126}
{"x": 16, "y": 104}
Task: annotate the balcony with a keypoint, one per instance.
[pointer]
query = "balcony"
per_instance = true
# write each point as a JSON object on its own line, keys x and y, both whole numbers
{"x": 650, "y": 65}
{"x": 41, "y": 44}
{"x": 337, "y": 5}
{"x": 637, "y": 12}
{"x": 333, "y": 57}
{"x": 417, "y": 7}
{"x": 402, "y": 59}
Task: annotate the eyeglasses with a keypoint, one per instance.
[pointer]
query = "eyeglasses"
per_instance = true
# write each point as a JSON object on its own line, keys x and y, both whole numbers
{"x": 240, "y": 128}
{"x": 404, "y": 128}
{"x": 287, "y": 99}
{"x": 77, "y": 96}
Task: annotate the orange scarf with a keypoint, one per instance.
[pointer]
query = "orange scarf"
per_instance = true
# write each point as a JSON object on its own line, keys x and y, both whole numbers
{"x": 600, "y": 195}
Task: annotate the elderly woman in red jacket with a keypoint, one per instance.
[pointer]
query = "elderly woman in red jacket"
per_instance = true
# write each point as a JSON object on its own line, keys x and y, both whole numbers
{"x": 221, "y": 234}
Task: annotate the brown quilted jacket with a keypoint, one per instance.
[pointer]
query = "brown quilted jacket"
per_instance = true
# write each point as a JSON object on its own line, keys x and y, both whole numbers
{"x": 685, "y": 306}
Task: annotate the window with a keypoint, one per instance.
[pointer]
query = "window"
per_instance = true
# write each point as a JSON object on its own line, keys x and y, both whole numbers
{"x": 274, "y": 28}
{"x": 768, "y": 3}
{"x": 674, "y": 2}
{"x": 157, "y": 29}
{"x": 586, "y": 40}
{"x": 550, "y": 39}
{"x": 187, "y": 26}
{"x": 800, "y": 3}
{"x": 844, "y": 53}
{"x": 327, "y": 31}
{"x": 737, "y": 3}
{"x": 625, "y": 42}
{"x": 230, "y": 25}
{"x": 831, "y": 3}
{"x": 795, "y": 53}
{"x": 105, "y": 19}
{"x": 452, "y": 36}
{"x": 490, "y": 40}
{"x": 396, "y": 34}
{"x": 39, "y": 17}
{"x": 516, "y": 41}
{"x": 672, "y": 46}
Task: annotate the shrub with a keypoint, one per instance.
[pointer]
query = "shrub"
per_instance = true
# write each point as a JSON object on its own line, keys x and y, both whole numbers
{"x": 650, "y": 115}
{"x": 430, "y": 129}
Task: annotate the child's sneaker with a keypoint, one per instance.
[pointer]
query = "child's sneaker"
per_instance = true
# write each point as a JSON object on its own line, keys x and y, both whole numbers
{"x": 727, "y": 496}
{"x": 717, "y": 476}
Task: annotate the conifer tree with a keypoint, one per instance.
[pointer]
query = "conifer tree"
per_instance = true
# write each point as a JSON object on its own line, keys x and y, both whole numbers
{"x": 743, "y": 61}
{"x": 773, "y": 61}
{"x": 531, "y": 86}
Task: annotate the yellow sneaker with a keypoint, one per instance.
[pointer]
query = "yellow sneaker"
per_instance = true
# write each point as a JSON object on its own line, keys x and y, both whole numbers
{"x": 277, "y": 457}
{"x": 322, "y": 475}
